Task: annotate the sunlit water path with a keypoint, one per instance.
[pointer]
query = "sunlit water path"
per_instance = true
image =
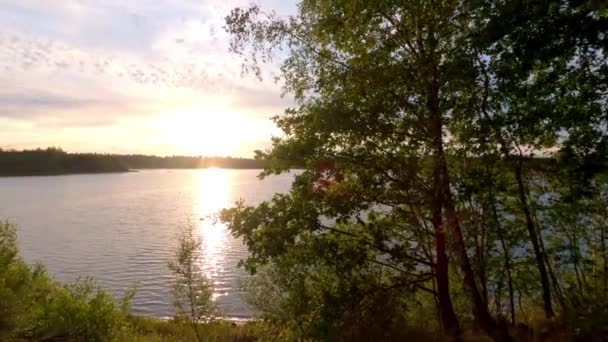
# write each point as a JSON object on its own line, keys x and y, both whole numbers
{"x": 120, "y": 228}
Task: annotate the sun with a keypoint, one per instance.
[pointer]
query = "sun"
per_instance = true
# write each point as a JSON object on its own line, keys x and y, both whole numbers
{"x": 212, "y": 131}
{"x": 204, "y": 132}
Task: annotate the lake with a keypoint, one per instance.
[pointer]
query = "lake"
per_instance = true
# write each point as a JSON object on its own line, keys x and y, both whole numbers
{"x": 121, "y": 228}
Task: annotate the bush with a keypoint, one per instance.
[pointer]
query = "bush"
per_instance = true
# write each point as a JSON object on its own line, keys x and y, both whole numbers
{"x": 317, "y": 304}
{"x": 16, "y": 283}
{"x": 34, "y": 306}
{"x": 77, "y": 311}
{"x": 586, "y": 313}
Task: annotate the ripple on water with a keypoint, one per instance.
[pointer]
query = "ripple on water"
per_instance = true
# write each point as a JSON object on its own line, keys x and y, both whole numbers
{"x": 121, "y": 228}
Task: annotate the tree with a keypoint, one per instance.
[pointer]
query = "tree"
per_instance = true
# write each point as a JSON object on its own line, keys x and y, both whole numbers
{"x": 397, "y": 103}
{"x": 380, "y": 86}
{"x": 191, "y": 291}
{"x": 542, "y": 67}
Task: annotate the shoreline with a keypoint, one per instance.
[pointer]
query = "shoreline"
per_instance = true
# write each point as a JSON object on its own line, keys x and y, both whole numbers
{"x": 115, "y": 172}
{"x": 227, "y": 319}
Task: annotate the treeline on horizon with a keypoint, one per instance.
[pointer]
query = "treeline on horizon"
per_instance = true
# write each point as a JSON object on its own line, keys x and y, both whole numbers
{"x": 55, "y": 161}
{"x": 138, "y": 161}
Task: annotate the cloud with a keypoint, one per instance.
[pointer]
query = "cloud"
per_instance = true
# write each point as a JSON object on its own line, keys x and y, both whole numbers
{"x": 44, "y": 109}
{"x": 90, "y": 70}
{"x": 107, "y": 24}
{"x": 42, "y": 100}
{"x": 268, "y": 101}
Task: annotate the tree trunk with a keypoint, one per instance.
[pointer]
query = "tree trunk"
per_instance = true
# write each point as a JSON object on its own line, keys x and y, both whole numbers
{"x": 540, "y": 262}
{"x": 440, "y": 168}
{"x": 509, "y": 280}
{"x": 479, "y": 255}
{"x": 446, "y": 310}
{"x": 505, "y": 248}
{"x": 449, "y": 321}
{"x": 604, "y": 256}
{"x": 480, "y": 310}
{"x": 523, "y": 201}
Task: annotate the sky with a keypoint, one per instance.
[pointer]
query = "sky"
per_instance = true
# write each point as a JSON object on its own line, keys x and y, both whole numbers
{"x": 144, "y": 76}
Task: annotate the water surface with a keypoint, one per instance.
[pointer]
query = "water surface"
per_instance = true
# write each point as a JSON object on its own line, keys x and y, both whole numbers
{"x": 120, "y": 228}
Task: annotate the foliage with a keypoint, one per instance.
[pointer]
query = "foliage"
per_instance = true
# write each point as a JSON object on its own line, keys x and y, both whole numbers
{"x": 326, "y": 303}
{"x": 15, "y": 283}
{"x": 36, "y": 307}
{"x": 420, "y": 125}
{"x": 191, "y": 291}
{"x": 77, "y": 311}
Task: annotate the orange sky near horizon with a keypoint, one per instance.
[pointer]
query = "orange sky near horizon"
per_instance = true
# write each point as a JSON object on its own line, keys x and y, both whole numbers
{"x": 147, "y": 77}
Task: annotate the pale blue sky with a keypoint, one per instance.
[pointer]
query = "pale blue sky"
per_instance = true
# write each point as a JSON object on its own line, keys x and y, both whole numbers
{"x": 145, "y": 76}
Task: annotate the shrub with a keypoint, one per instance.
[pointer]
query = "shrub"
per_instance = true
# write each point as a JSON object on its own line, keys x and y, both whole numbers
{"x": 191, "y": 291}
{"x": 34, "y": 306}
{"x": 586, "y": 312}
{"x": 77, "y": 311}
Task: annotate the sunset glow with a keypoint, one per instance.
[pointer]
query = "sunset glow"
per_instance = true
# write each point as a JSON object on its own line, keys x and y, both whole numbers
{"x": 212, "y": 195}
{"x": 152, "y": 77}
{"x": 211, "y": 131}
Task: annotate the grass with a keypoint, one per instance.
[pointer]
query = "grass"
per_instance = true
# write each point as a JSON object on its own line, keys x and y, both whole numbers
{"x": 153, "y": 329}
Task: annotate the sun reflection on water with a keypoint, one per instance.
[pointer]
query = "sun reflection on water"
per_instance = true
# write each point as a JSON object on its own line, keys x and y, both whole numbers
{"x": 213, "y": 192}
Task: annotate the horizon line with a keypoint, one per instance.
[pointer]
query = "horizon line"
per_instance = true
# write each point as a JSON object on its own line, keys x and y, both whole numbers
{"x": 3, "y": 149}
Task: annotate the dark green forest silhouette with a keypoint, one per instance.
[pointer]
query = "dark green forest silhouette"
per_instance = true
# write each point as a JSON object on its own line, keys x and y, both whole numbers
{"x": 184, "y": 162}
{"x": 54, "y": 161}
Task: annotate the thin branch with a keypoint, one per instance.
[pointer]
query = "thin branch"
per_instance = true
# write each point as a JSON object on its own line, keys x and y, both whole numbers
{"x": 310, "y": 46}
{"x": 405, "y": 36}
{"x": 376, "y": 246}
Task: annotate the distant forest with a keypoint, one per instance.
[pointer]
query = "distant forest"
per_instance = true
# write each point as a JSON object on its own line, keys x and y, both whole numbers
{"x": 54, "y": 161}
